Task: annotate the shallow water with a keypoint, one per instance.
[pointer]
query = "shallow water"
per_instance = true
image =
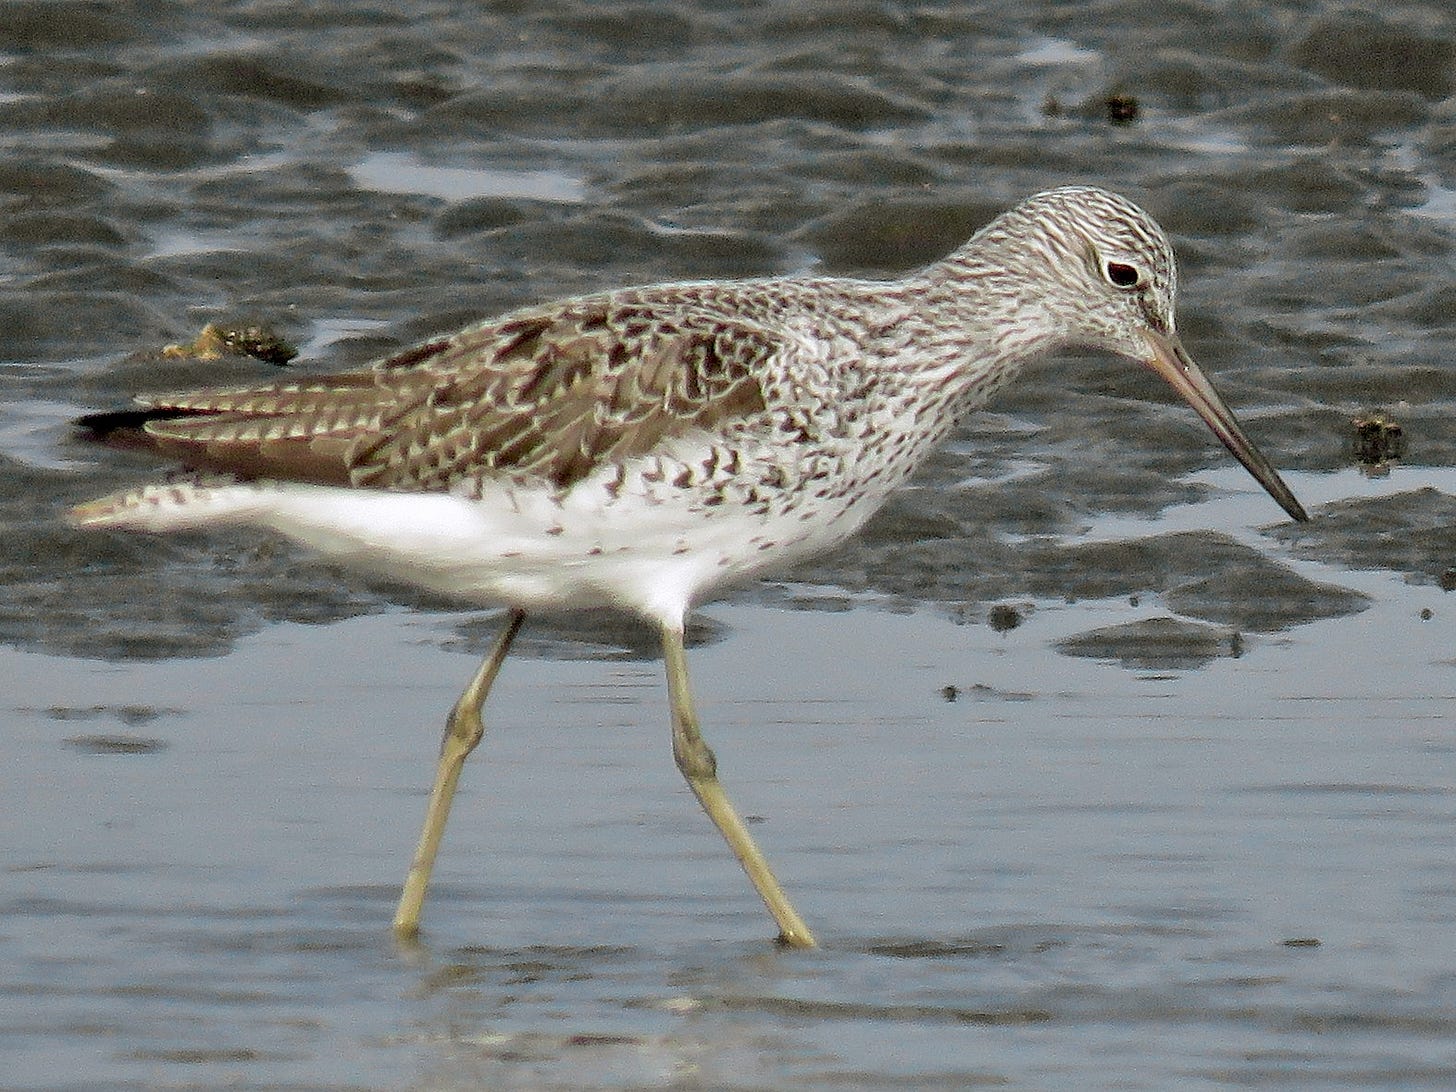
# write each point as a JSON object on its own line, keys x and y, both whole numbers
{"x": 1088, "y": 769}
{"x": 1072, "y": 873}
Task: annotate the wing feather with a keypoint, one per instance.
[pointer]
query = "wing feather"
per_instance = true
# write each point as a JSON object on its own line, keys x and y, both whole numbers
{"x": 549, "y": 393}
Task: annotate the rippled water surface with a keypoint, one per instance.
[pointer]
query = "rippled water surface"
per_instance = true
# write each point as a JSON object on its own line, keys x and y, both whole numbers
{"x": 1089, "y": 770}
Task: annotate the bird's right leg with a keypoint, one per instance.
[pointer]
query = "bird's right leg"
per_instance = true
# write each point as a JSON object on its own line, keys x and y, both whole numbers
{"x": 463, "y": 730}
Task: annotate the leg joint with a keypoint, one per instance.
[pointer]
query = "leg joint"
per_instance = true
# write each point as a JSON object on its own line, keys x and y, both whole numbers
{"x": 694, "y": 758}
{"x": 463, "y": 729}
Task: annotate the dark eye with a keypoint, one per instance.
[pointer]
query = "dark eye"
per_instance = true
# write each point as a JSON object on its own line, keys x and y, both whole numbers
{"x": 1122, "y": 275}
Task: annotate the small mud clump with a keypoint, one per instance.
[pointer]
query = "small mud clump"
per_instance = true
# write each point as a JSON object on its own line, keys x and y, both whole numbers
{"x": 1122, "y": 108}
{"x": 218, "y": 340}
{"x": 1004, "y": 617}
{"x": 1378, "y": 441}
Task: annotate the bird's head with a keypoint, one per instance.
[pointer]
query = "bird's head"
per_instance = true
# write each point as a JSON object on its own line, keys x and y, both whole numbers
{"x": 1100, "y": 272}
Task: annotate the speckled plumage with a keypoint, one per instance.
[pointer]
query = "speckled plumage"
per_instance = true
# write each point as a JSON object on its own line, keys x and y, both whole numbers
{"x": 644, "y": 447}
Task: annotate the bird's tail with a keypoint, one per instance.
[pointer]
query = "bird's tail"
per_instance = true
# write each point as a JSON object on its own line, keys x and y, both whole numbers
{"x": 185, "y": 502}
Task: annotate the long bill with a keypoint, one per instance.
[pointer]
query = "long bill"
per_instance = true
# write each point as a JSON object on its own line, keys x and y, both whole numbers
{"x": 1171, "y": 361}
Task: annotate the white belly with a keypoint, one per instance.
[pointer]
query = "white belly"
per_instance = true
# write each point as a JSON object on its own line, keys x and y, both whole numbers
{"x": 654, "y": 554}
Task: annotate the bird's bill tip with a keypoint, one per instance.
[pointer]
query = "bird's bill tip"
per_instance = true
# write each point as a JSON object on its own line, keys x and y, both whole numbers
{"x": 1170, "y": 360}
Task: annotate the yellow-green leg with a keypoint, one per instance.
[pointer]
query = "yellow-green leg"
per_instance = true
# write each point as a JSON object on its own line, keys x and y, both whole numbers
{"x": 695, "y": 760}
{"x": 463, "y": 730}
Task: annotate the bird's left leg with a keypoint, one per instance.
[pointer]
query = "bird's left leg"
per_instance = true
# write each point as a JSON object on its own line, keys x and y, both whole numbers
{"x": 463, "y": 730}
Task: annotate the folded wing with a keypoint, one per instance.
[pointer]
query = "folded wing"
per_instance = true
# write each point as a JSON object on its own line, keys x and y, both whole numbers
{"x": 547, "y": 394}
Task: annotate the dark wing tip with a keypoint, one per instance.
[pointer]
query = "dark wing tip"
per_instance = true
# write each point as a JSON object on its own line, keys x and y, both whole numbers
{"x": 126, "y": 427}
{"x": 99, "y": 426}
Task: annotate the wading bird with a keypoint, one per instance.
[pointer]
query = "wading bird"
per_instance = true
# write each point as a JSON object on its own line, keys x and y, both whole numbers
{"x": 647, "y": 447}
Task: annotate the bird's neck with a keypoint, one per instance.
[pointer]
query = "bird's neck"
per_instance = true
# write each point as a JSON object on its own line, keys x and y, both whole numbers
{"x": 969, "y": 327}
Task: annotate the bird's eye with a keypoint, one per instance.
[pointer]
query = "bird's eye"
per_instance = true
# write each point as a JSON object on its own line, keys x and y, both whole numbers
{"x": 1122, "y": 275}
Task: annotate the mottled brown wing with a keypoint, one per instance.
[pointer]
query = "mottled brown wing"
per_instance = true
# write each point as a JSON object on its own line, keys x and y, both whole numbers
{"x": 297, "y": 431}
{"x": 547, "y": 394}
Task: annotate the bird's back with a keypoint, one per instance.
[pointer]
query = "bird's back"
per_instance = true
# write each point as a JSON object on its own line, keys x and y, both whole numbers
{"x": 735, "y": 425}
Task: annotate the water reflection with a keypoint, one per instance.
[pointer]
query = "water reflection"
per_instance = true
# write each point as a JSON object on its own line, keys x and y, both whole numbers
{"x": 401, "y": 172}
